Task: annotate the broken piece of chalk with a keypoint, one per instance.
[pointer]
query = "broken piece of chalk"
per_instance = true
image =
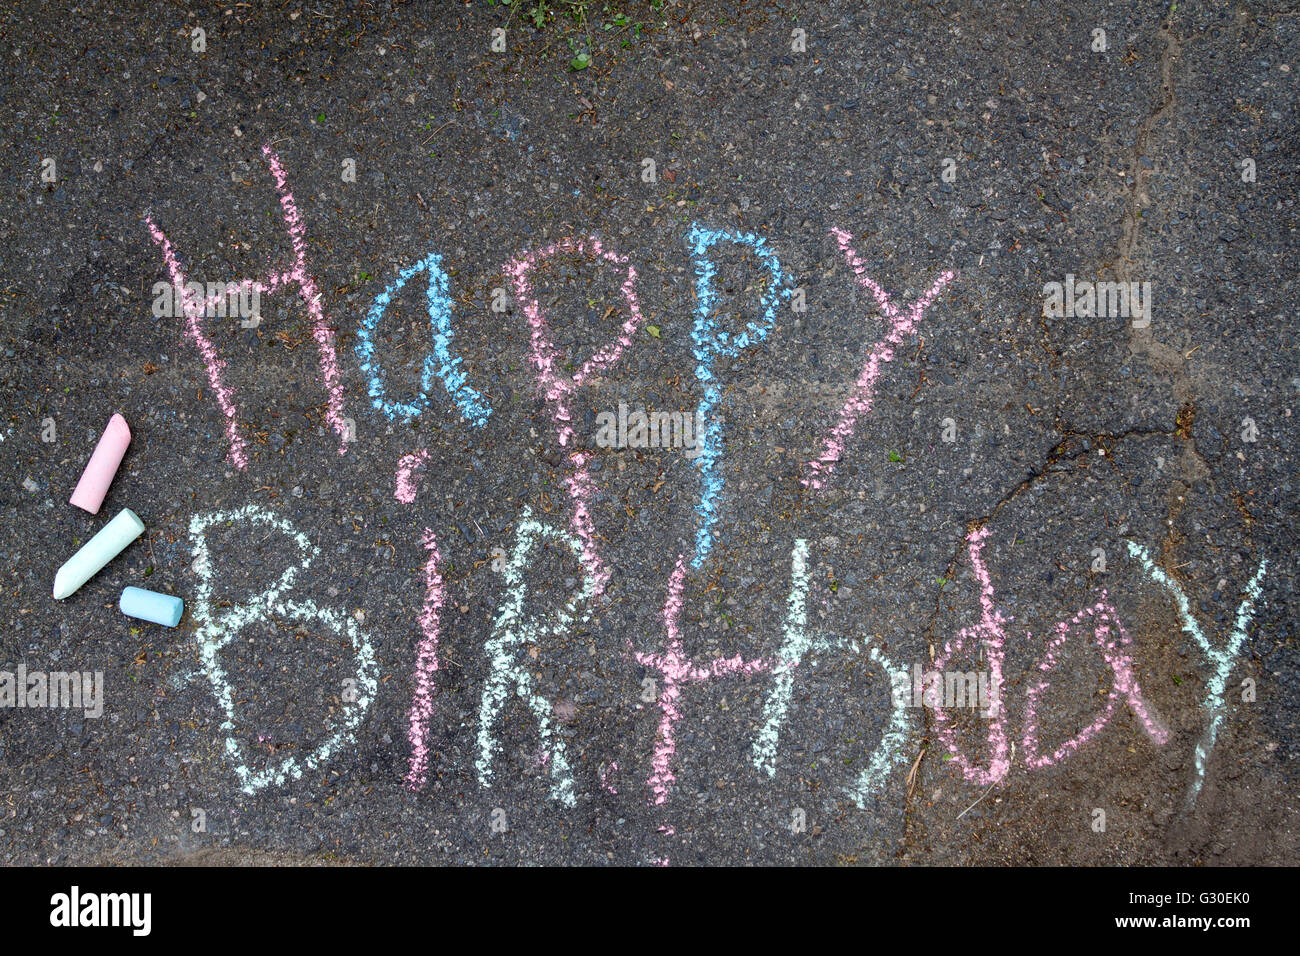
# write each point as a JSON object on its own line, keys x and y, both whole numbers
{"x": 164, "y": 609}
{"x": 101, "y": 468}
{"x": 97, "y": 552}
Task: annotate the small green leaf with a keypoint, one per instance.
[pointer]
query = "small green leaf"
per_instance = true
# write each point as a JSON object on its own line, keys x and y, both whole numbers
{"x": 580, "y": 62}
{"x": 653, "y": 330}
{"x": 895, "y": 456}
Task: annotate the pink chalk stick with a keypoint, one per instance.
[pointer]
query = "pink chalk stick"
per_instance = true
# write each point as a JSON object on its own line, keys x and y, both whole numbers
{"x": 102, "y": 466}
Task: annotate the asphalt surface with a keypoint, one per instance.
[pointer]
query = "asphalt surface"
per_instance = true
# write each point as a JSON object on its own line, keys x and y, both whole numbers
{"x": 1070, "y": 433}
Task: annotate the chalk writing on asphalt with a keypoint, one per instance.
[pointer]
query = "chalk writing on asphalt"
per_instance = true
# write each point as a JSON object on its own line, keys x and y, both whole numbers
{"x": 777, "y": 659}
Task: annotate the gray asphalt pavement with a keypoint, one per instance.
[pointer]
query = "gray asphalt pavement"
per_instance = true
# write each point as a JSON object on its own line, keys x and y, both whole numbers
{"x": 439, "y": 605}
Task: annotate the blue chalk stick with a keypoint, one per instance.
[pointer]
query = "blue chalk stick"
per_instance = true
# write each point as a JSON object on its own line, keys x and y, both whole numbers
{"x": 164, "y": 609}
